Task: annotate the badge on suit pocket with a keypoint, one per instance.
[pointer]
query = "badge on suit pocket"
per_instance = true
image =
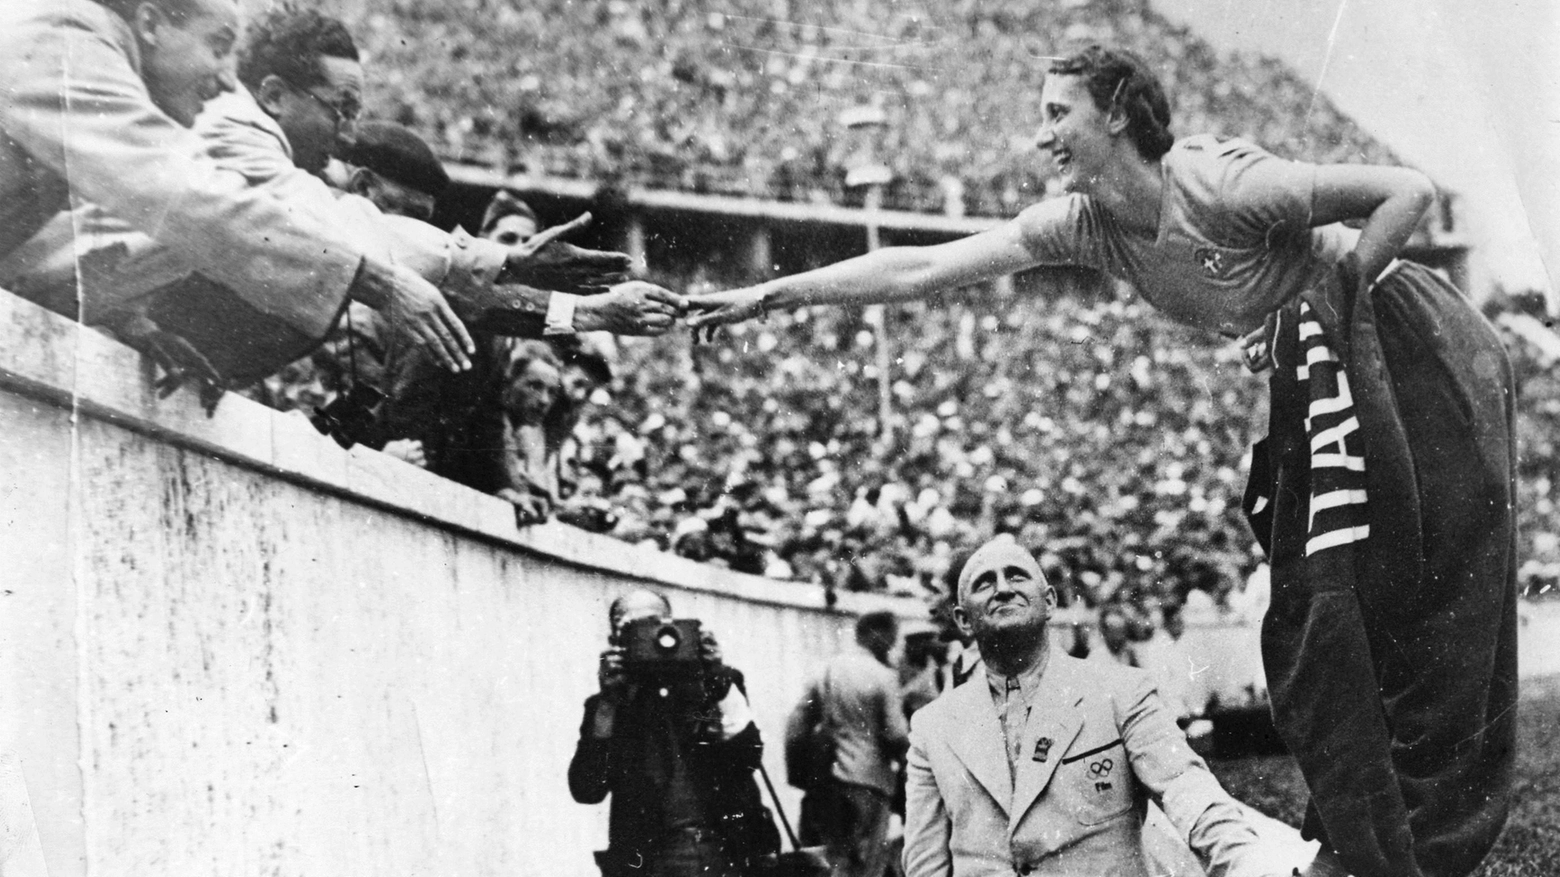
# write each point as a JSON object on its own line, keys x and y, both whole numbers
{"x": 1100, "y": 774}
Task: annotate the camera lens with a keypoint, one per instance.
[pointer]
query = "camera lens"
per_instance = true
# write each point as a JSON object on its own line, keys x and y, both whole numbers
{"x": 667, "y": 639}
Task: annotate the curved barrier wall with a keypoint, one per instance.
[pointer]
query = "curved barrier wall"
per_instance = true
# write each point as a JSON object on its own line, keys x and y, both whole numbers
{"x": 227, "y": 647}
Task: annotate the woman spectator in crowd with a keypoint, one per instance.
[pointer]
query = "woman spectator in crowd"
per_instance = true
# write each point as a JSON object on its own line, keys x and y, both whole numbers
{"x": 1406, "y": 749}
{"x": 532, "y": 390}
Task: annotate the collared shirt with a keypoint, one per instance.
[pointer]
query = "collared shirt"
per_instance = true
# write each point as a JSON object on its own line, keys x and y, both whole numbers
{"x": 1013, "y": 696}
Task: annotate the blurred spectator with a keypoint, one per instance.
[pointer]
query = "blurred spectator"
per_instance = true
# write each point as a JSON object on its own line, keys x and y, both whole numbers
{"x": 581, "y": 489}
{"x": 864, "y": 717}
{"x": 920, "y": 669}
{"x": 1164, "y": 654}
{"x": 1115, "y": 639}
{"x": 533, "y": 387}
{"x": 509, "y": 220}
{"x": 961, "y": 655}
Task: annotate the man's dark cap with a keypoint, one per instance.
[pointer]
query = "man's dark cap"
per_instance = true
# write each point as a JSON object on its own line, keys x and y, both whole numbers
{"x": 399, "y": 155}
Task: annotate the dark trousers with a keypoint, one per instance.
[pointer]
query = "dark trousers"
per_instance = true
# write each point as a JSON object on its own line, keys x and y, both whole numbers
{"x": 1392, "y": 663}
{"x": 852, "y": 823}
{"x": 683, "y": 853}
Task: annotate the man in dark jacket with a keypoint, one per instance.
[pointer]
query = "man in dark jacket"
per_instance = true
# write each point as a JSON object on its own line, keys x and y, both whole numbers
{"x": 677, "y": 756}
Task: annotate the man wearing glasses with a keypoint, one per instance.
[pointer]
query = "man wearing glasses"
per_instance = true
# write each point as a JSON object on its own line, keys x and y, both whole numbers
{"x": 299, "y": 106}
{"x": 98, "y": 97}
{"x": 299, "y": 99}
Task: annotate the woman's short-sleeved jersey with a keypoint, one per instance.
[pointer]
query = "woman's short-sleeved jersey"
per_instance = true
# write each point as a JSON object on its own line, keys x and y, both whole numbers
{"x": 1234, "y": 242}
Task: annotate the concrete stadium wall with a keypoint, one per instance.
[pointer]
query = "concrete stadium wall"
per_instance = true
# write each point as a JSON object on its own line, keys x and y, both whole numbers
{"x": 228, "y": 647}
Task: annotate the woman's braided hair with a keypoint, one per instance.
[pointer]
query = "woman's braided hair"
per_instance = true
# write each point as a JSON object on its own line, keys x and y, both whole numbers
{"x": 1118, "y": 79}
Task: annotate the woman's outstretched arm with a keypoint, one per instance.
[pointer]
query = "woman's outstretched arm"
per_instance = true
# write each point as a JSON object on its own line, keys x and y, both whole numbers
{"x": 1391, "y": 200}
{"x": 889, "y": 274}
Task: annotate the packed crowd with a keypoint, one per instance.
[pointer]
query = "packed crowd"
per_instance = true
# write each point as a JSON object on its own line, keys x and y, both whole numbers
{"x": 1084, "y": 424}
{"x": 745, "y": 98}
{"x": 225, "y": 218}
{"x": 1081, "y": 423}
{"x": 1076, "y": 424}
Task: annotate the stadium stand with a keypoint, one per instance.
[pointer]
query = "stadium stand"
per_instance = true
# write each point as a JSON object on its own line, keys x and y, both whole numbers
{"x": 1087, "y": 425}
{"x": 743, "y": 98}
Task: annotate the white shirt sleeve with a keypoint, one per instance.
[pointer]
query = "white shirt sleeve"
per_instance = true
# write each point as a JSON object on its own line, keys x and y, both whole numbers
{"x": 560, "y": 314}
{"x": 735, "y": 711}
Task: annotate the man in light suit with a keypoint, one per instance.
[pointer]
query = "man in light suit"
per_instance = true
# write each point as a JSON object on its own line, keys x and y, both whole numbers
{"x": 1044, "y": 764}
{"x": 98, "y": 97}
{"x": 297, "y": 102}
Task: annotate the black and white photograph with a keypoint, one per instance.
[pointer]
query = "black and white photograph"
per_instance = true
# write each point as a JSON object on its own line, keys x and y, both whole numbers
{"x": 760, "y": 438}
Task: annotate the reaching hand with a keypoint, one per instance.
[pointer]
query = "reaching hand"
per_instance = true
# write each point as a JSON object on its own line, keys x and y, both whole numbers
{"x": 717, "y": 309}
{"x": 610, "y": 674}
{"x": 177, "y": 358}
{"x": 530, "y": 507}
{"x": 407, "y": 450}
{"x": 548, "y": 263}
{"x": 632, "y": 308}
{"x": 417, "y": 310}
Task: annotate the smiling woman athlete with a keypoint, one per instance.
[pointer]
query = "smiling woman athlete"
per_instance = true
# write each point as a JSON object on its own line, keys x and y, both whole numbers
{"x": 1384, "y": 491}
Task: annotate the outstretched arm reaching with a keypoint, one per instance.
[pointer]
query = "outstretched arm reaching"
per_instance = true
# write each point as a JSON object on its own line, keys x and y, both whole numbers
{"x": 890, "y": 274}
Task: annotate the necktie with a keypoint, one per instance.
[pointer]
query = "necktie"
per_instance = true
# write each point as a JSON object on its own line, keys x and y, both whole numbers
{"x": 1015, "y": 713}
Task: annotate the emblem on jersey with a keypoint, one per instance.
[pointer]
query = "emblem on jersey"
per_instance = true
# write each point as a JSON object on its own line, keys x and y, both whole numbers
{"x": 1211, "y": 260}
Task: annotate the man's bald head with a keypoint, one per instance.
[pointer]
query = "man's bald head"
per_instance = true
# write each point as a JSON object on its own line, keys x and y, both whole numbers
{"x": 1004, "y": 602}
{"x": 636, "y": 604}
{"x": 1001, "y": 552}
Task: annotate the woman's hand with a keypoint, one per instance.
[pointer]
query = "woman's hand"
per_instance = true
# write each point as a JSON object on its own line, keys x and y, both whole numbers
{"x": 716, "y": 309}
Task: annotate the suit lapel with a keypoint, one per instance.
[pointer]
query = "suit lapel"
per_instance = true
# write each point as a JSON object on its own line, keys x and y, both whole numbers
{"x": 1055, "y": 716}
{"x": 976, "y": 738}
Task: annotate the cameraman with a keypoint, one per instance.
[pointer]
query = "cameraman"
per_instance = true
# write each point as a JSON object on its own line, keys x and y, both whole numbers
{"x": 677, "y": 753}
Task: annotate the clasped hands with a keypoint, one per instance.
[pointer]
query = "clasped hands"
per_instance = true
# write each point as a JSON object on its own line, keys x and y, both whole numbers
{"x": 611, "y": 304}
